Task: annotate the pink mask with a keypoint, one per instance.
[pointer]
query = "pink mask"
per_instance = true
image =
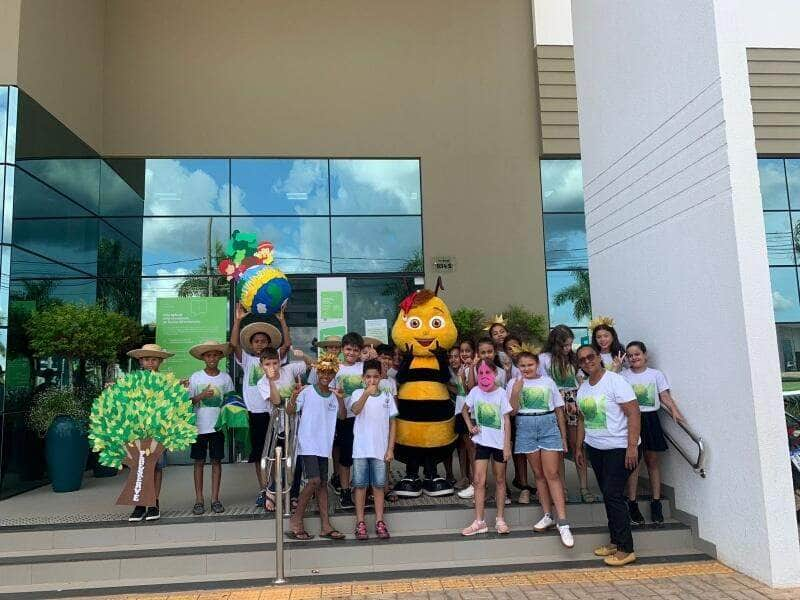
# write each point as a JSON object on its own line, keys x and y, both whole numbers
{"x": 485, "y": 378}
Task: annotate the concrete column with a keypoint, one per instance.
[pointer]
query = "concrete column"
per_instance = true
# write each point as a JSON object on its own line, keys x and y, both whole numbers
{"x": 677, "y": 253}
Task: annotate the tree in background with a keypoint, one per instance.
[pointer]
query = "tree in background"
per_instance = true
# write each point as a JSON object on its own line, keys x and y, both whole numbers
{"x": 529, "y": 326}
{"x": 579, "y": 293}
{"x": 469, "y": 322}
{"x": 197, "y": 282}
{"x": 119, "y": 287}
{"x": 398, "y": 289}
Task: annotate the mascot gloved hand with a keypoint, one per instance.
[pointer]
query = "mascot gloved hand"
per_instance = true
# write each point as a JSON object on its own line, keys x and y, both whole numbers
{"x": 424, "y": 331}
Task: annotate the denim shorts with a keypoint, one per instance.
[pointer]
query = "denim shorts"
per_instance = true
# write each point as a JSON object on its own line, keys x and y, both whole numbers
{"x": 369, "y": 472}
{"x": 538, "y": 432}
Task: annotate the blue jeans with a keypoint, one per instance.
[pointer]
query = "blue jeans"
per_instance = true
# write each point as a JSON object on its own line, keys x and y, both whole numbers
{"x": 369, "y": 472}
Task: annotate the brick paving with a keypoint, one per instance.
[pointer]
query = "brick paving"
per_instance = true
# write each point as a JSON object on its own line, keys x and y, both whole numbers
{"x": 706, "y": 580}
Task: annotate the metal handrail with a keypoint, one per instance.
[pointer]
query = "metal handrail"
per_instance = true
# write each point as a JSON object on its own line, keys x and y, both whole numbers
{"x": 697, "y": 464}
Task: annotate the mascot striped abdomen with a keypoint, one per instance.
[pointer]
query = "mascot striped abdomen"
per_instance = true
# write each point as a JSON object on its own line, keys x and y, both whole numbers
{"x": 424, "y": 331}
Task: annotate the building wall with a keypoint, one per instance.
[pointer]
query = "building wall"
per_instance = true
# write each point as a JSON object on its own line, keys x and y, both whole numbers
{"x": 61, "y": 61}
{"x": 451, "y": 82}
{"x": 668, "y": 154}
{"x": 557, "y": 100}
{"x": 9, "y": 40}
{"x": 775, "y": 91}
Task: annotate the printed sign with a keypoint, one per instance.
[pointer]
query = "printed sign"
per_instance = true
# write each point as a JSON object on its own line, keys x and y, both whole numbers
{"x": 331, "y": 306}
{"x": 444, "y": 264}
{"x": 184, "y": 322}
{"x": 377, "y": 328}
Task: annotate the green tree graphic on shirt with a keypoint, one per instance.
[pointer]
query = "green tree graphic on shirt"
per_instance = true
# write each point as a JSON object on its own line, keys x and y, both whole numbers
{"x": 645, "y": 393}
{"x": 535, "y": 398}
{"x": 564, "y": 381}
{"x": 256, "y": 373}
{"x": 594, "y": 412}
{"x": 216, "y": 400}
{"x": 351, "y": 383}
{"x": 489, "y": 415}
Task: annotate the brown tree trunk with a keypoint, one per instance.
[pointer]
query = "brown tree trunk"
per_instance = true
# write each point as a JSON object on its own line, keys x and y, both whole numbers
{"x": 141, "y": 459}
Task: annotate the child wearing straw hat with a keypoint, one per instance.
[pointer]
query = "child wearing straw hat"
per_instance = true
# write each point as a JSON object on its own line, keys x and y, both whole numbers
{"x": 150, "y": 357}
{"x": 207, "y": 387}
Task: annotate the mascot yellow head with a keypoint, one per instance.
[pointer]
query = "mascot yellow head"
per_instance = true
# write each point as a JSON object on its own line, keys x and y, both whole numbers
{"x": 424, "y": 325}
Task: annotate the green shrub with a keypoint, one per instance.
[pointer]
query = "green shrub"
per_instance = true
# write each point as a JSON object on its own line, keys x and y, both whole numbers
{"x": 469, "y": 322}
{"x": 529, "y": 326}
{"x": 52, "y": 402}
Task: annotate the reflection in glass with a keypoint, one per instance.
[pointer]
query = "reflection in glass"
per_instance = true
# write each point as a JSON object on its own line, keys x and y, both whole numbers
{"x": 565, "y": 241}
{"x": 562, "y": 185}
{"x": 11, "y": 131}
{"x": 789, "y": 347}
{"x": 388, "y": 187}
{"x": 273, "y": 186}
{"x": 773, "y": 184}
{"x": 34, "y": 199}
{"x": 197, "y": 186}
{"x": 118, "y": 197}
{"x": 375, "y": 299}
{"x": 42, "y": 291}
{"x": 779, "y": 238}
{"x": 301, "y": 243}
{"x": 8, "y": 203}
{"x": 72, "y": 242}
{"x": 76, "y": 178}
{"x": 301, "y": 313}
{"x": 793, "y": 181}
{"x": 25, "y": 265}
{"x": 23, "y": 455}
{"x": 784, "y": 293}
{"x": 181, "y": 246}
{"x": 572, "y": 287}
{"x": 3, "y": 121}
{"x": 177, "y": 287}
{"x": 376, "y": 244}
{"x": 5, "y": 283}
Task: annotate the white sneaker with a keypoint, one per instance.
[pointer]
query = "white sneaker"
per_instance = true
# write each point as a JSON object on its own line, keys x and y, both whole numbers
{"x": 566, "y": 536}
{"x": 545, "y": 523}
{"x": 467, "y": 492}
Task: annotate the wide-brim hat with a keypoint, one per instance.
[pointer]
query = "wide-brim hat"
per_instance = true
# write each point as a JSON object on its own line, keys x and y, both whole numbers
{"x": 150, "y": 351}
{"x": 248, "y": 331}
{"x": 330, "y": 340}
{"x": 371, "y": 341}
{"x": 210, "y": 346}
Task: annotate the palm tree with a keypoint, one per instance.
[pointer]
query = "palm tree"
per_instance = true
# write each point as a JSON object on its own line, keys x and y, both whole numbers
{"x": 578, "y": 293}
{"x": 197, "y": 282}
{"x": 400, "y": 288}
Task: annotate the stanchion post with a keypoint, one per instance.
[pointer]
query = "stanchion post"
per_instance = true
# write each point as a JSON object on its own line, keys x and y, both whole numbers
{"x": 279, "y": 574}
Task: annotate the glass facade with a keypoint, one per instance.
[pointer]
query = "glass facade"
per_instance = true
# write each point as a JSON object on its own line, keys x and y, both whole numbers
{"x": 565, "y": 254}
{"x": 77, "y": 227}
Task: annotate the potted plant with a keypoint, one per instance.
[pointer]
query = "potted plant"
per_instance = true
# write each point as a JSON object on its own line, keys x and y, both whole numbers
{"x": 60, "y": 416}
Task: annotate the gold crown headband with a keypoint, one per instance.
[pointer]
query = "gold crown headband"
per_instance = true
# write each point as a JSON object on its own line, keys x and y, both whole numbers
{"x": 328, "y": 362}
{"x": 600, "y": 320}
{"x": 526, "y": 347}
{"x": 496, "y": 320}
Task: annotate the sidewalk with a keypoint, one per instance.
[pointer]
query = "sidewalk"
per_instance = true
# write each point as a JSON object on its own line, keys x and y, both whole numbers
{"x": 685, "y": 581}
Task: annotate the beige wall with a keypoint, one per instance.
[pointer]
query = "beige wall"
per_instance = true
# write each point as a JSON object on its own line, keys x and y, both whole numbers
{"x": 775, "y": 96}
{"x": 9, "y": 40}
{"x": 61, "y": 61}
{"x": 450, "y": 81}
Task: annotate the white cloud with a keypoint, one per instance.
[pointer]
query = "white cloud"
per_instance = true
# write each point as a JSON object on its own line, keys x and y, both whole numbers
{"x": 363, "y": 184}
{"x": 781, "y": 302}
{"x": 166, "y": 287}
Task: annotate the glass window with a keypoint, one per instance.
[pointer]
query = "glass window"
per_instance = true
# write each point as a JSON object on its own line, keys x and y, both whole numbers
{"x": 562, "y": 185}
{"x": 793, "y": 181}
{"x": 3, "y": 121}
{"x": 10, "y": 132}
{"x": 131, "y": 228}
{"x": 180, "y": 246}
{"x": 177, "y": 287}
{"x": 77, "y": 178}
{"x": 267, "y": 186}
{"x": 779, "y": 238}
{"x": 375, "y": 187}
{"x": 302, "y": 244}
{"x": 180, "y": 186}
{"x": 25, "y": 265}
{"x": 568, "y": 297}
{"x": 40, "y": 291}
{"x": 376, "y": 244}
{"x": 784, "y": 293}
{"x": 773, "y": 184}
{"x": 72, "y": 242}
{"x": 565, "y": 241}
{"x": 8, "y": 203}
{"x": 22, "y": 450}
{"x": 118, "y": 198}
{"x": 375, "y": 299}
{"x": 789, "y": 350}
{"x": 301, "y": 313}
{"x": 32, "y": 198}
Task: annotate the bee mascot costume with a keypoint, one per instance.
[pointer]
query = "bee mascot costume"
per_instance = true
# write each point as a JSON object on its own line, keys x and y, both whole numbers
{"x": 424, "y": 331}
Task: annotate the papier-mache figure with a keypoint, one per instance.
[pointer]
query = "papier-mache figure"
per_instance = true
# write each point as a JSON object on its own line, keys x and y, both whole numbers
{"x": 424, "y": 331}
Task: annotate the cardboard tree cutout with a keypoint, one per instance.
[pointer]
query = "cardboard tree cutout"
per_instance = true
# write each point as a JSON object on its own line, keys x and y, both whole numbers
{"x": 424, "y": 331}
{"x": 133, "y": 421}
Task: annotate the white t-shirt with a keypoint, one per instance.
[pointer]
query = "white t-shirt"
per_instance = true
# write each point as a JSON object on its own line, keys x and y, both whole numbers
{"x": 208, "y": 410}
{"x": 461, "y": 388}
{"x": 647, "y": 385}
{"x": 253, "y": 373}
{"x": 605, "y": 424}
{"x": 537, "y": 396}
{"x": 317, "y": 424}
{"x": 350, "y": 378}
{"x": 489, "y": 410}
{"x": 371, "y": 427}
{"x": 285, "y": 382}
{"x": 566, "y": 381}
{"x": 312, "y": 378}
{"x": 389, "y": 386}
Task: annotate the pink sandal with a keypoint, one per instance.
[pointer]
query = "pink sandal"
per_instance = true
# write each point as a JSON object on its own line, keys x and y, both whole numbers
{"x": 475, "y": 528}
{"x": 361, "y": 531}
{"x": 501, "y": 527}
{"x": 382, "y": 530}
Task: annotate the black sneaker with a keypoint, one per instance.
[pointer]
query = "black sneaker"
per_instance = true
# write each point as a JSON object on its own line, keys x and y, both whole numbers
{"x": 153, "y": 513}
{"x": 336, "y": 484}
{"x": 138, "y": 514}
{"x": 637, "y": 518}
{"x": 346, "y": 499}
{"x": 437, "y": 487}
{"x": 408, "y": 488}
{"x": 656, "y": 513}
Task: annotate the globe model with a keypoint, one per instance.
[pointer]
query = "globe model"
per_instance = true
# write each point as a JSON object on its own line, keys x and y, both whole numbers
{"x": 263, "y": 289}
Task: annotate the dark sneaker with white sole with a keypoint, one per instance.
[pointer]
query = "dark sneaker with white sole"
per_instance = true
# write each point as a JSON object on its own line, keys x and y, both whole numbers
{"x": 408, "y": 488}
{"x": 637, "y": 518}
{"x": 153, "y": 513}
{"x": 138, "y": 514}
{"x": 657, "y": 513}
{"x": 346, "y": 499}
{"x": 437, "y": 487}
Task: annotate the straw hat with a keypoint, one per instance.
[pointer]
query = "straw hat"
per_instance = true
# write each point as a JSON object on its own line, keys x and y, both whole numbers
{"x": 209, "y": 346}
{"x": 371, "y": 341}
{"x": 150, "y": 351}
{"x": 330, "y": 340}
{"x": 250, "y": 330}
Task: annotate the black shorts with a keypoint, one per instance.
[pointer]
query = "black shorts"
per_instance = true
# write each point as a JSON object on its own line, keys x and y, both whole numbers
{"x": 314, "y": 466}
{"x": 344, "y": 440}
{"x": 211, "y": 444}
{"x": 258, "y": 433}
{"x": 460, "y": 425}
{"x": 485, "y": 453}
{"x": 653, "y": 439}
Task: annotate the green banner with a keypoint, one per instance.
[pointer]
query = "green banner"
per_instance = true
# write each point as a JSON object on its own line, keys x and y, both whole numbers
{"x": 184, "y": 322}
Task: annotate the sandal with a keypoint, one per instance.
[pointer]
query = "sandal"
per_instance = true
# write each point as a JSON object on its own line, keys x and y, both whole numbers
{"x": 382, "y": 530}
{"x": 501, "y": 527}
{"x": 587, "y": 496}
{"x": 333, "y": 534}
{"x": 301, "y": 536}
{"x": 361, "y": 531}
{"x": 269, "y": 501}
{"x": 475, "y": 528}
{"x": 198, "y": 509}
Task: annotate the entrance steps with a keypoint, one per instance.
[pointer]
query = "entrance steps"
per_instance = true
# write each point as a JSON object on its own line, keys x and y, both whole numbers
{"x": 219, "y": 551}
